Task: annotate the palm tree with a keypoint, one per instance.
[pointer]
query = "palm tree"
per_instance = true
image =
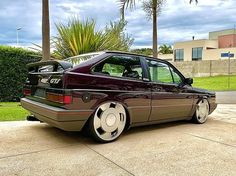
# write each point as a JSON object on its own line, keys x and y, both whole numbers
{"x": 78, "y": 37}
{"x": 154, "y": 6}
{"x": 45, "y": 30}
{"x": 165, "y": 49}
{"x": 153, "y": 9}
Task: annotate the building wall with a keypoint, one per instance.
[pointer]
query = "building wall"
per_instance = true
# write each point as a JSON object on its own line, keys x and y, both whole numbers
{"x": 189, "y": 45}
{"x": 215, "y": 54}
{"x": 206, "y": 68}
{"x": 210, "y": 54}
{"x": 227, "y": 41}
{"x": 215, "y": 34}
{"x": 168, "y": 57}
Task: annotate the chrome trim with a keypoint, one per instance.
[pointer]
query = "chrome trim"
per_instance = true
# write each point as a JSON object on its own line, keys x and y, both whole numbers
{"x": 103, "y": 90}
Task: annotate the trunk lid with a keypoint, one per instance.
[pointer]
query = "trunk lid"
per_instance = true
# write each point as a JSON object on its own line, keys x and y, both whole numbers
{"x": 46, "y": 76}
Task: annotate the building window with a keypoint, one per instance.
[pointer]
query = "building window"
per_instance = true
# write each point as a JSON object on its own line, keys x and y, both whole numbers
{"x": 179, "y": 54}
{"x": 197, "y": 53}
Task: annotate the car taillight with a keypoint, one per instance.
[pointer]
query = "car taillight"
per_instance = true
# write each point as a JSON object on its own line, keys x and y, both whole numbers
{"x": 27, "y": 92}
{"x": 59, "y": 98}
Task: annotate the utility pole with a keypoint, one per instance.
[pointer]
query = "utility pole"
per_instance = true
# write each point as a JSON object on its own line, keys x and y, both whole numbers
{"x": 17, "y": 35}
{"x": 229, "y": 55}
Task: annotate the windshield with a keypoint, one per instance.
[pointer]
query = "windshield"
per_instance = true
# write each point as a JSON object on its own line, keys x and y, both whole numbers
{"x": 76, "y": 60}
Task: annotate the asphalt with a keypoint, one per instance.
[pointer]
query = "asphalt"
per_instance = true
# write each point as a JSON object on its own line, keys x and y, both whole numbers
{"x": 179, "y": 148}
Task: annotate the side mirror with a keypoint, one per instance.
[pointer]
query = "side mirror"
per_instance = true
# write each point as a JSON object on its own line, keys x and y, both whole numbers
{"x": 188, "y": 81}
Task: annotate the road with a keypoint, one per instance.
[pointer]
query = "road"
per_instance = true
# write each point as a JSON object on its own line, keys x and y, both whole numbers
{"x": 179, "y": 148}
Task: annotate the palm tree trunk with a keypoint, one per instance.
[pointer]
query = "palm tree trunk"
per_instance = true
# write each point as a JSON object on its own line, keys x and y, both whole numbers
{"x": 154, "y": 37}
{"x": 122, "y": 14}
{"x": 45, "y": 30}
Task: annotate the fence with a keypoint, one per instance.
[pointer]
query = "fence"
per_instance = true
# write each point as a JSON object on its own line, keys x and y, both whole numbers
{"x": 206, "y": 68}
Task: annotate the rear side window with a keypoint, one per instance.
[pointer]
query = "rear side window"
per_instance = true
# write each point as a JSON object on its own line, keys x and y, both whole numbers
{"x": 113, "y": 69}
{"x": 120, "y": 66}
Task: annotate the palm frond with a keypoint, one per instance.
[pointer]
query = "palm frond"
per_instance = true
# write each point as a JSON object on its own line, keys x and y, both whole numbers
{"x": 78, "y": 37}
{"x": 196, "y": 1}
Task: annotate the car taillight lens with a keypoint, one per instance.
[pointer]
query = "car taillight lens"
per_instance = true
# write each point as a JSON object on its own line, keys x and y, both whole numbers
{"x": 27, "y": 92}
{"x": 59, "y": 98}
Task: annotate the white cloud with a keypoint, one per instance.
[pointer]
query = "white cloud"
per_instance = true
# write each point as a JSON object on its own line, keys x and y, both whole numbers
{"x": 178, "y": 21}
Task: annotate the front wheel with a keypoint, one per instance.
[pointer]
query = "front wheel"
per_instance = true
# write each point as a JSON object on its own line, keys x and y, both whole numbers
{"x": 108, "y": 122}
{"x": 202, "y": 112}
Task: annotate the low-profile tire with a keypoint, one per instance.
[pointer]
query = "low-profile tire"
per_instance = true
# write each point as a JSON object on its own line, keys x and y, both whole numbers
{"x": 202, "y": 112}
{"x": 108, "y": 122}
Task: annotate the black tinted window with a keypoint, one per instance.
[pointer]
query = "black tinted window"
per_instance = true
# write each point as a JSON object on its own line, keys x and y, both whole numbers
{"x": 120, "y": 66}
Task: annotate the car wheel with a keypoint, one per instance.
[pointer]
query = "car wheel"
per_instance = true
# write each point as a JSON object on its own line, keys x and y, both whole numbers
{"x": 202, "y": 112}
{"x": 108, "y": 122}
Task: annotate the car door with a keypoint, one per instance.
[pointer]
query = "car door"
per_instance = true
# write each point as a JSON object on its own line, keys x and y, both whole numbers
{"x": 122, "y": 78}
{"x": 170, "y": 97}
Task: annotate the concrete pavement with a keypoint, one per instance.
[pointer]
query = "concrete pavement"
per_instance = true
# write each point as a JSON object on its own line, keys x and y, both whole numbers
{"x": 179, "y": 148}
{"x": 226, "y": 97}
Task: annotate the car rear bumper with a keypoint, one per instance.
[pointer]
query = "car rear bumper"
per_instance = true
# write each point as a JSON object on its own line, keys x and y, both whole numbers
{"x": 68, "y": 120}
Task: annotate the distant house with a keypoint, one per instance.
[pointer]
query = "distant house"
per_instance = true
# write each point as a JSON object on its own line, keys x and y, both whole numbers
{"x": 223, "y": 41}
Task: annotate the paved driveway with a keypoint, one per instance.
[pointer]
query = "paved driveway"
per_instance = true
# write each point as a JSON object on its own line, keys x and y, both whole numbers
{"x": 180, "y": 148}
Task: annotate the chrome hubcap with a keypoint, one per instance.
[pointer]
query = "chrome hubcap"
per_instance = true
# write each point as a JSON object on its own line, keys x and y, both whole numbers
{"x": 109, "y": 120}
{"x": 202, "y": 110}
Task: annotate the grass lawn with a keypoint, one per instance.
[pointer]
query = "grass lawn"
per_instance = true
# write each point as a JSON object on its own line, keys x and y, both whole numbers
{"x": 12, "y": 112}
{"x": 215, "y": 83}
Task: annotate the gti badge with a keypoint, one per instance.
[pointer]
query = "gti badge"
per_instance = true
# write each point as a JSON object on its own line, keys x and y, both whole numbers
{"x": 54, "y": 81}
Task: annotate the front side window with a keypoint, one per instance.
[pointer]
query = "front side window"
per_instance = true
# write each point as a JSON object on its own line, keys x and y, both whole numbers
{"x": 120, "y": 66}
{"x": 162, "y": 73}
{"x": 176, "y": 77}
{"x": 179, "y": 54}
{"x": 197, "y": 53}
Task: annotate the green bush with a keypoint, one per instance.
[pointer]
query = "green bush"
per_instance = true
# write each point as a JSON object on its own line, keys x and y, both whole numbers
{"x": 13, "y": 71}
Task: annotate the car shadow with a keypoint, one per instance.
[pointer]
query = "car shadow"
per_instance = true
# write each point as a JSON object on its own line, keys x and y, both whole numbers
{"x": 71, "y": 138}
{"x": 155, "y": 127}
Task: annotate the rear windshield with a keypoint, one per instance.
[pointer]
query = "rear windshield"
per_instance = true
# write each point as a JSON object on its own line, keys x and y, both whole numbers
{"x": 76, "y": 60}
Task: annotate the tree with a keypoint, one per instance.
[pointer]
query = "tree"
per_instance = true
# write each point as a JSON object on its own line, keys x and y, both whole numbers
{"x": 78, "y": 37}
{"x": 165, "y": 49}
{"x": 143, "y": 51}
{"x": 153, "y": 6}
{"x": 45, "y": 30}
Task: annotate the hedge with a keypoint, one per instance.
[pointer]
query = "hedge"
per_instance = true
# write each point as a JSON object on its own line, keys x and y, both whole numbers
{"x": 13, "y": 71}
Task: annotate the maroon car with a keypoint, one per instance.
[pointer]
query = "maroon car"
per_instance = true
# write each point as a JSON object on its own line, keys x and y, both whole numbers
{"x": 108, "y": 92}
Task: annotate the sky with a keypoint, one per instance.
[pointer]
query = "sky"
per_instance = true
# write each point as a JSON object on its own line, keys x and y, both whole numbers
{"x": 178, "y": 21}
